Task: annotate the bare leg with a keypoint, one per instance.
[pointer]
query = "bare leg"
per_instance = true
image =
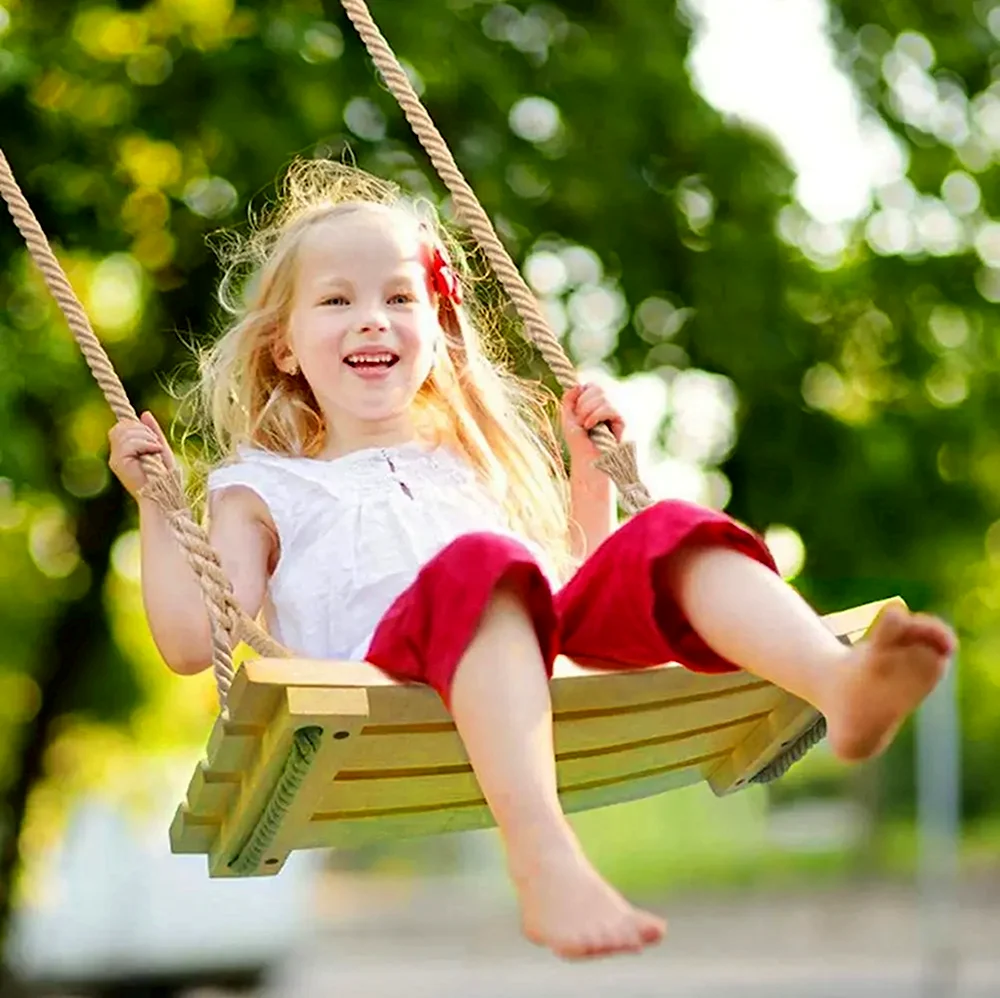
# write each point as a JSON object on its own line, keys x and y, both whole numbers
{"x": 750, "y": 616}
{"x": 502, "y": 709}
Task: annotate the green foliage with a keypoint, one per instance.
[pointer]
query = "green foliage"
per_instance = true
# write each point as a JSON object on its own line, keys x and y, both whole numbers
{"x": 865, "y": 389}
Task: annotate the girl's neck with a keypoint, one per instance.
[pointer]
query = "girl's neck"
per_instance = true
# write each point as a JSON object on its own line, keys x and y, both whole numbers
{"x": 366, "y": 436}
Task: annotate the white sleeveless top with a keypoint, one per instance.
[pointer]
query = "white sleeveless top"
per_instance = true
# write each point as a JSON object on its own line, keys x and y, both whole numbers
{"x": 355, "y": 531}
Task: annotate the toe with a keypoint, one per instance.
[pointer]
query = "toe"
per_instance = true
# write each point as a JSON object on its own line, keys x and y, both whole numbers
{"x": 891, "y": 624}
{"x": 617, "y": 937}
{"x": 652, "y": 929}
{"x": 624, "y": 941}
{"x": 935, "y": 633}
{"x": 573, "y": 948}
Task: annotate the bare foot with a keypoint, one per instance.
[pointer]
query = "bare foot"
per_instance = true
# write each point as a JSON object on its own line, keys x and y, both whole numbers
{"x": 890, "y": 672}
{"x": 567, "y": 906}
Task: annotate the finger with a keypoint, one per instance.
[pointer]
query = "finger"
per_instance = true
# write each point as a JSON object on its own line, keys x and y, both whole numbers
{"x": 150, "y": 420}
{"x": 140, "y": 433}
{"x": 596, "y": 420}
{"x": 121, "y": 429}
{"x": 143, "y": 450}
{"x": 587, "y": 408}
{"x": 570, "y": 396}
{"x": 568, "y": 417}
{"x": 592, "y": 394}
{"x": 141, "y": 447}
{"x": 606, "y": 414}
{"x": 612, "y": 417}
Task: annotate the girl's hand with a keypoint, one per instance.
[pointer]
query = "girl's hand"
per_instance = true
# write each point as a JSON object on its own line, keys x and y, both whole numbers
{"x": 583, "y": 407}
{"x": 129, "y": 440}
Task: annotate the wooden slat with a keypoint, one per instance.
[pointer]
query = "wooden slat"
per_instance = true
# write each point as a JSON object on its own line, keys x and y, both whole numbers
{"x": 190, "y": 834}
{"x": 604, "y": 778}
{"x": 366, "y": 790}
{"x": 232, "y": 747}
{"x": 252, "y": 703}
{"x": 211, "y": 793}
{"x": 344, "y": 831}
{"x": 406, "y": 747}
{"x": 576, "y": 689}
{"x": 305, "y": 672}
{"x": 607, "y": 689}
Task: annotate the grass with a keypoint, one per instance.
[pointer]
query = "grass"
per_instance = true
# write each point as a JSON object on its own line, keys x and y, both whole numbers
{"x": 689, "y": 839}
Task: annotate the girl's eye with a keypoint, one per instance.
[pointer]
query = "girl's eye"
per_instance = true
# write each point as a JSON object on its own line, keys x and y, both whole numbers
{"x": 402, "y": 298}
{"x": 334, "y": 300}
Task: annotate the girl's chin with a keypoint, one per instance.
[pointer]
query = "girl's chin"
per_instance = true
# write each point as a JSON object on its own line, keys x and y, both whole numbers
{"x": 391, "y": 405}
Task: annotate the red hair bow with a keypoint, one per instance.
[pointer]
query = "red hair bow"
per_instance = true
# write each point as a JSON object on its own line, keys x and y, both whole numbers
{"x": 441, "y": 277}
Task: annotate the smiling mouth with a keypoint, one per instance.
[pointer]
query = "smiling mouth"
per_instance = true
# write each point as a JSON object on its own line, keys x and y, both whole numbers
{"x": 371, "y": 361}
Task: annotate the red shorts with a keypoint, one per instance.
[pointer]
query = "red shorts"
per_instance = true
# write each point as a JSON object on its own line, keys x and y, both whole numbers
{"x": 615, "y": 612}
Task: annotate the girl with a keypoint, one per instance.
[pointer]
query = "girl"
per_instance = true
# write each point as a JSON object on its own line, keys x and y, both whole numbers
{"x": 390, "y": 492}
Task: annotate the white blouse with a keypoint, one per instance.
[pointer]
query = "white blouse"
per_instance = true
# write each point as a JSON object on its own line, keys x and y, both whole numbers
{"x": 354, "y": 532}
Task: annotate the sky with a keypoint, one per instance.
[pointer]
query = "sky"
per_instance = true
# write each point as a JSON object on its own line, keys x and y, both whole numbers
{"x": 770, "y": 62}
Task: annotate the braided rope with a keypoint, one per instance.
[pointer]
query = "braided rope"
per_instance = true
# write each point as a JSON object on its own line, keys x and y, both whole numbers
{"x": 618, "y": 461}
{"x": 780, "y": 765}
{"x": 301, "y": 755}
{"x": 229, "y": 623}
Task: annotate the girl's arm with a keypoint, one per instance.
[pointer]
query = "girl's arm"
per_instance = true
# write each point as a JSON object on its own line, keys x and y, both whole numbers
{"x": 173, "y": 600}
{"x": 593, "y": 504}
{"x": 593, "y": 508}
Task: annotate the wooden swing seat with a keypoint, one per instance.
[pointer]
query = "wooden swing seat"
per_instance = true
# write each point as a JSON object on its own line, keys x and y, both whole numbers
{"x": 389, "y": 762}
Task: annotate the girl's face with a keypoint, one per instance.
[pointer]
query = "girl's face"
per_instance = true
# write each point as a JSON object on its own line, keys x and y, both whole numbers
{"x": 362, "y": 326}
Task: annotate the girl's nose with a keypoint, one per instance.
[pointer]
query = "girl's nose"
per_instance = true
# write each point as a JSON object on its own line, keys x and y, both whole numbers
{"x": 375, "y": 322}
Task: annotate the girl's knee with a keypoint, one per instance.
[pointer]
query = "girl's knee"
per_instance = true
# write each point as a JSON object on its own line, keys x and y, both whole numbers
{"x": 515, "y": 594}
{"x": 505, "y": 613}
{"x": 673, "y": 570}
{"x": 521, "y": 601}
{"x": 483, "y": 548}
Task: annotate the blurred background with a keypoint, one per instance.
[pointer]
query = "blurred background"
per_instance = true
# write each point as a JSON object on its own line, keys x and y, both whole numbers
{"x": 770, "y": 226}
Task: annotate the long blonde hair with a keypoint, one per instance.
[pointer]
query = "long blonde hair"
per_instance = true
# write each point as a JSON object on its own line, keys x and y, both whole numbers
{"x": 471, "y": 399}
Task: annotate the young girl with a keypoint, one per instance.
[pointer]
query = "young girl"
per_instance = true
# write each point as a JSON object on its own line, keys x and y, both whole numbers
{"x": 391, "y": 493}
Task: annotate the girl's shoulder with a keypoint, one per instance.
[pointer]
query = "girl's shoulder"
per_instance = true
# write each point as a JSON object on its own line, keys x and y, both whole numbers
{"x": 255, "y": 481}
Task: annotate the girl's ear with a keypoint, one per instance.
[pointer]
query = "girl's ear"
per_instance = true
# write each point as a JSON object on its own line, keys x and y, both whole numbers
{"x": 282, "y": 356}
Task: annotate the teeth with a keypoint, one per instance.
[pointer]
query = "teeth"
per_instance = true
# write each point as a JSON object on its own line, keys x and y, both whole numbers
{"x": 371, "y": 358}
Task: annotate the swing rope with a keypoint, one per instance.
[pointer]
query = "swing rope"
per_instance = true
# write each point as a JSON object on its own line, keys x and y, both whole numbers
{"x": 618, "y": 461}
{"x": 230, "y": 624}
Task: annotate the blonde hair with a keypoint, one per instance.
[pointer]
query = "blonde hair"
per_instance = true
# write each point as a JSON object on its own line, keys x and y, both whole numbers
{"x": 471, "y": 400}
